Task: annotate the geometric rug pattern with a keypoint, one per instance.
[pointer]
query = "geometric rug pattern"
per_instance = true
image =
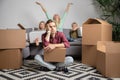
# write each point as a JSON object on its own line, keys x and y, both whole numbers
{"x": 30, "y": 71}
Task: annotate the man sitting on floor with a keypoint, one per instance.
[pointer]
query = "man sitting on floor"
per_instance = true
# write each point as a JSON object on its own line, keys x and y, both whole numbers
{"x": 53, "y": 39}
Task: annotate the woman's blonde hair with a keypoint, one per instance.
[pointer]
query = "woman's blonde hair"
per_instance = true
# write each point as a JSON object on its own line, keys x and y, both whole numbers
{"x": 41, "y": 23}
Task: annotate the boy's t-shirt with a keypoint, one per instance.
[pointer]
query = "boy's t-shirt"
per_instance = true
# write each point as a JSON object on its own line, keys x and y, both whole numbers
{"x": 74, "y": 34}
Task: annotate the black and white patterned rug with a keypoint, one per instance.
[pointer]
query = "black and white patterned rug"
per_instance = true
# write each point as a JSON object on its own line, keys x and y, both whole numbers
{"x": 30, "y": 71}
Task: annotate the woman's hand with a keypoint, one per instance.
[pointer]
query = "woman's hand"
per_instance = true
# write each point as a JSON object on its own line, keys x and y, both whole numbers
{"x": 38, "y": 3}
{"x": 37, "y": 41}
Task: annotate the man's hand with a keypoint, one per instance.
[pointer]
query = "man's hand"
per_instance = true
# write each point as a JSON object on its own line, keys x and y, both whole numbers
{"x": 49, "y": 48}
{"x": 48, "y": 28}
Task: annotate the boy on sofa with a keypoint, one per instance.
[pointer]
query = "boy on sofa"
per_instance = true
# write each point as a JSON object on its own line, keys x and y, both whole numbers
{"x": 74, "y": 32}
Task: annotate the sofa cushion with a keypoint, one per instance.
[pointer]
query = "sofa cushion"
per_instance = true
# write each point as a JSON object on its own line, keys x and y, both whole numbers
{"x": 76, "y": 43}
{"x": 66, "y": 32}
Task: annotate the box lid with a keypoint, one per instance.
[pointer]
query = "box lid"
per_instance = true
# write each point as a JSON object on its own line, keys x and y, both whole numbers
{"x": 95, "y": 21}
{"x": 12, "y": 38}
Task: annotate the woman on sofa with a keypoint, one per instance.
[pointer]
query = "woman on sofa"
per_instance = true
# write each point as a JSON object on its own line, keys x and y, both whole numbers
{"x": 42, "y": 25}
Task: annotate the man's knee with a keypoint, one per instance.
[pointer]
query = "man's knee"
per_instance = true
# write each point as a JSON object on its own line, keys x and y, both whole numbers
{"x": 38, "y": 57}
{"x": 69, "y": 59}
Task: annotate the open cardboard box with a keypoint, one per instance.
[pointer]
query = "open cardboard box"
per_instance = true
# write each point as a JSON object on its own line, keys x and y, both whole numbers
{"x": 108, "y": 58}
{"x": 57, "y": 55}
{"x": 12, "y": 38}
{"x": 96, "y": 30}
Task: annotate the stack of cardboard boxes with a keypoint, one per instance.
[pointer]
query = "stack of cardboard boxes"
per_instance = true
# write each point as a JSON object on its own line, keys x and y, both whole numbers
{"x": 11, "y": 41}
{"x": 98, "y": 49}
{"x": 94, "y": 30}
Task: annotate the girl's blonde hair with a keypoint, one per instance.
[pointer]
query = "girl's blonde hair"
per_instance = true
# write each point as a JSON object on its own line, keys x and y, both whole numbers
{"x": 58, "y": 19}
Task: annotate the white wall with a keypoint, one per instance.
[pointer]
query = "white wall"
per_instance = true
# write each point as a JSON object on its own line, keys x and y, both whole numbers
{"x": 29, "y": 14}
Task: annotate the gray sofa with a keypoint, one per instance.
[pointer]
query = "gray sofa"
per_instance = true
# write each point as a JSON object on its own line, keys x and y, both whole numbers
{"x": 74, "y": 49}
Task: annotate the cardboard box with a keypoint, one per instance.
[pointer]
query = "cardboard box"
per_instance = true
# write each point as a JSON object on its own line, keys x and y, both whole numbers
{"x": 10, "y": 59}
{"x": 108, "y": 58}
{"x": 57, "y": 55}
{"x": 96, "y": 30}
{"x": 12, "y": 39}
{"x": 89, "y": 53}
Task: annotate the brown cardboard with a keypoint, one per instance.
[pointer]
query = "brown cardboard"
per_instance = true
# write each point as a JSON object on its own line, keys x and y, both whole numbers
{"x": 57, "y": 55}
{"x": 108, "y": 58}
{"x": 12, "y": 39}
{"x": 89, "y": 53}
{"x": 96, "y": 30}
{"x": 10, "y": 59}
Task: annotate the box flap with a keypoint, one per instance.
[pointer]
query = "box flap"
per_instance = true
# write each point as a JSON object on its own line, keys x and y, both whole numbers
{"x": 113, "y": 47}
{"x": 12, "y": 38}
{"x": 108, "y": 47}
{"x": 95, "y": 21}
{"x": 101, "y": 46}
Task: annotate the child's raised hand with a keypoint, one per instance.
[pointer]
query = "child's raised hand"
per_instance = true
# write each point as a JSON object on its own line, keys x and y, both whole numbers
{"x": 38, "y": 3}
{"x": 70, "y": 3}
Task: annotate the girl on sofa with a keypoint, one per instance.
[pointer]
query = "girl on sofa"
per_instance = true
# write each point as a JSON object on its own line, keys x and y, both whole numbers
{"x": 59, "y": 21}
